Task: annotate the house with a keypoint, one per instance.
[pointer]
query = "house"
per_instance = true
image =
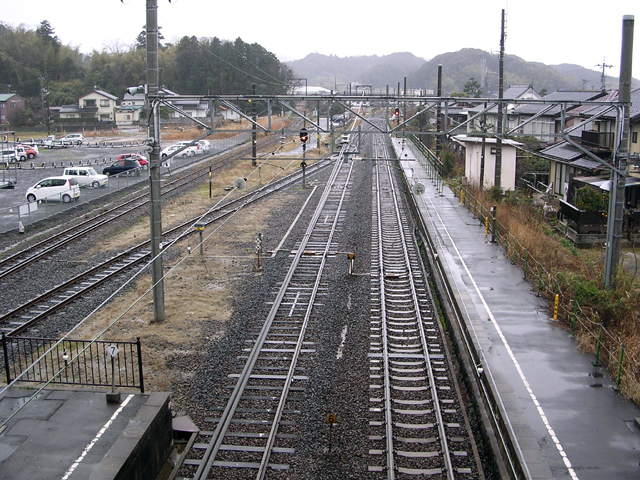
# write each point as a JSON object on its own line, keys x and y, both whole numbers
{"x": 11, "y": 108}
{"x": 128, "y": 112}
{"x": 104, "y": 104}
{"x": 484, "y": 175}
{"x": 544, "y": 120}
{"x": 489, "y": 120}
{"x": 597, "y": 137}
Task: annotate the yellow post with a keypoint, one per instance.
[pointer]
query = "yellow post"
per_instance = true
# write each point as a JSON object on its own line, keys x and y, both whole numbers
{"x": 555, "y": 307}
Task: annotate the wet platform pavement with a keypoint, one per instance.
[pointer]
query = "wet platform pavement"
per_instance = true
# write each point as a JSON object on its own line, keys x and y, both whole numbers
{"x": 64, "y": 434}
{"x": 569, "y": 421}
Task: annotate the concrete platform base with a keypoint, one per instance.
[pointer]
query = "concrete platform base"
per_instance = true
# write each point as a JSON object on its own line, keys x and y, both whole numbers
{"x": 77, "y": 434}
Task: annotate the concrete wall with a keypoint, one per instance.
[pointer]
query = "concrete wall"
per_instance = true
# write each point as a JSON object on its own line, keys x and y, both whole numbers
{"x": 142, "y": 450}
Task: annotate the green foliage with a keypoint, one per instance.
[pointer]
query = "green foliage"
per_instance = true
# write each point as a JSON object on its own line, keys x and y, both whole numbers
{"x": 472, "y": 88}
{"x": 589, "y": 200}
{"x": 495, "y": 193}
{"x": 448, "y": 163}
{"x": 569, "y": 246}
{"x": 584, "y": 289}
{"x": 33, "y": 60}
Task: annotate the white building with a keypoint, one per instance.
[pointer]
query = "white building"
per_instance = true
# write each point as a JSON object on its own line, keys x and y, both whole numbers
{"x": 479, "y": 176}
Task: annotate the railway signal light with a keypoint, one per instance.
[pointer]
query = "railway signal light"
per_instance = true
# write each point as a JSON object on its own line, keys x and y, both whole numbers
{"x": 396, "y": 112}
{"x": 304, "y": 135}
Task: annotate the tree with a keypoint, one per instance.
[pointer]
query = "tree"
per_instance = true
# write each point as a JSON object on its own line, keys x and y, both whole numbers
{"x": 141, "y": 39}
{"x": 472, "y": 88}
{"x": 48, "y": 34}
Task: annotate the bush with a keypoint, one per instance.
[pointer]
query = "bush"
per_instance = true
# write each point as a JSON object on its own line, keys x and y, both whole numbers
{"x": 589, "y": 200}
{"x": 495, "y": 193}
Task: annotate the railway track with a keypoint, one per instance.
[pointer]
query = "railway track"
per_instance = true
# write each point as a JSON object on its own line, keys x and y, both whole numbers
{"x": 421, "y": 430}
{"x": 37, "y": 309}
{"x": 255, "y": 431}
{"x": 19, "y": 260}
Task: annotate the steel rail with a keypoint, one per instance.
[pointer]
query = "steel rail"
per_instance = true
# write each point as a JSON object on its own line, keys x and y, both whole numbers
{"x": 388, "y": 409}
{"x": 423, "y": 339}
{"x": 274, "y": 427}
{"x": 17, "y": 261}
{"x": 391, "y": 229}
{"x": 225, "y": 419}
{"x": 131, "y": 257}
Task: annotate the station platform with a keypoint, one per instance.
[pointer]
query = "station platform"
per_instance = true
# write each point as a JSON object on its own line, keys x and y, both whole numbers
{"x": 64, "y": 434}
{"x": 569, "y": 422}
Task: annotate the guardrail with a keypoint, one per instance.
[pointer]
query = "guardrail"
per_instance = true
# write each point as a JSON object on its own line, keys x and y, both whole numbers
{"x": 93, "y": 365}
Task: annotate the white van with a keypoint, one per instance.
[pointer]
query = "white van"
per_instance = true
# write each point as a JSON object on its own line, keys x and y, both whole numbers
{"x": 54, "y": 189}
{"x": 8, "y": 155}
{"x": 86, "y": 176}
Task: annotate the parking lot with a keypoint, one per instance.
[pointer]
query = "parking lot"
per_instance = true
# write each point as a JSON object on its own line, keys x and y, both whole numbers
{"x": 14, "y": 207}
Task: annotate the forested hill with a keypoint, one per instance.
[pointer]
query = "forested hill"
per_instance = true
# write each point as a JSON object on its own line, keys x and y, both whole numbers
{"x": 35, "y": 61}
{"x": 457, "y": 68}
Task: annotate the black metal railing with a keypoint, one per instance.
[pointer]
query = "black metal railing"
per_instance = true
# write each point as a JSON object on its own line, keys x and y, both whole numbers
{"x": 73, "y": 362}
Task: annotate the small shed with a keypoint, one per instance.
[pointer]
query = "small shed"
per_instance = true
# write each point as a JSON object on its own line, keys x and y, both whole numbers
{"x": 484, "y": 175}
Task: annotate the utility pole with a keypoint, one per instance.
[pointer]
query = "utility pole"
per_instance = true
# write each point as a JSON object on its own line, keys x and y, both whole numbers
{"x": 439, "y": 115}
{"x": 621, "y": 154}
{"x": 254, "y": 131}
{"x": 155, "y": 213}
{"x": 501, "y": 121}
{"x": 603, "y": 77}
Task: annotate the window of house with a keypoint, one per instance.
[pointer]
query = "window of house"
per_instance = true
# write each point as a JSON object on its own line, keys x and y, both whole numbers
{"x": 2, "y": 105}
{"x": 127, "y": 117}
{"x": 634, "y": 137}
{"x": 90, "y": 103}
{"x": 104, "y": 116}
{"x": 13, "y": 105}
{"x": 104, "y": 102}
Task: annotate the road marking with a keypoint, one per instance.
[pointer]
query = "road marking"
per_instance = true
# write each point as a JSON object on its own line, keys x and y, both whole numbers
{"x": 547, "y": 425}
{"x": 90, "y": 445}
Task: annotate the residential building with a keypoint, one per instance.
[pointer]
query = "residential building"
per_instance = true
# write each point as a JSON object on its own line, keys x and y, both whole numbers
{"x": 11, "y": 108}
{"x": 104, "y": 104}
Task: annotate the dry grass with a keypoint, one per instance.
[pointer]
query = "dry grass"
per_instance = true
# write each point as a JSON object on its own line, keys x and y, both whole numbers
{"x": 199, "y": 292}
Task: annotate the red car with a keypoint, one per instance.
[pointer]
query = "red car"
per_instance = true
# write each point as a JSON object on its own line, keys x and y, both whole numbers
{"x": 142, "y": 160}
{"x": 30, "y": 151}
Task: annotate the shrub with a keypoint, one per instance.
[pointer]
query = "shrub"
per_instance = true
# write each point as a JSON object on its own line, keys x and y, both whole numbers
{"x": 589, "y": 200}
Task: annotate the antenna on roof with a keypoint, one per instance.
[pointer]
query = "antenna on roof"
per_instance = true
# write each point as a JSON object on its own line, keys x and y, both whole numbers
{"x": 603, "y": 76}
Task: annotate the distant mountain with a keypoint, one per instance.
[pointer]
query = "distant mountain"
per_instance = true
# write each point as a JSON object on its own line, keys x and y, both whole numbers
{"x": 457, "y": 68}
{"x": 331, "y": 71}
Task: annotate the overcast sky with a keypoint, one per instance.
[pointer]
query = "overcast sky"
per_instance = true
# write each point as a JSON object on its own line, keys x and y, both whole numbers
{"x": 551, "y": 32}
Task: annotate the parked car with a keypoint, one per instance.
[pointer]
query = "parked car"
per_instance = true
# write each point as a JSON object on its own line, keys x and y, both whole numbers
{"x": 52, "y": 142}
{"x": 205, "y": 145}
{"x": 123, "y": 165}
{"x": 8, "y": 155}
{"x": 195, "y": 148}
{"x": 187, "y": 152}
{"x": 73, "y": 139}
{"x": 86, "y": 176}
{"x": 143, "y": 160}
{"x": 61, "y": 188}
{"x": 32, "y": 151}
